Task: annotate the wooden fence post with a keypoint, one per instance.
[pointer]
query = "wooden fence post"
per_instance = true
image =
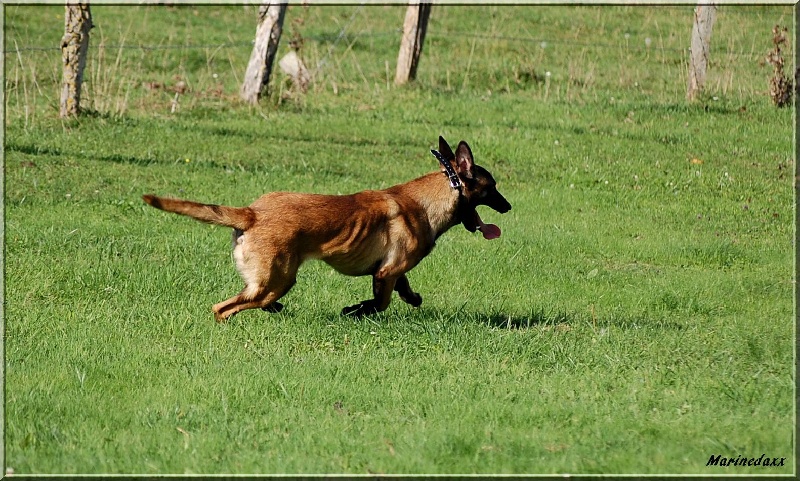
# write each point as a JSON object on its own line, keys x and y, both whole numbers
{"x": 698, "y": 58}
{"x": 268, "y": 34}
{"x": 74, "y": 50}
{"x": 414, "y": 27}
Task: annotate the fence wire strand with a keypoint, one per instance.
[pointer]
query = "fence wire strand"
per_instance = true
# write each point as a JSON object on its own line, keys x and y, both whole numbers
{"x": 625, "y": 43}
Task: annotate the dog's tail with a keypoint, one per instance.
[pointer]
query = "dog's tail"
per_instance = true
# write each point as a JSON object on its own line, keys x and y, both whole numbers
{"x": 241, "y": 218}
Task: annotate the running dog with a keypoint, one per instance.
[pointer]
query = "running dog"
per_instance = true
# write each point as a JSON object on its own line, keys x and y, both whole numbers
{"x": 381, "y": 233}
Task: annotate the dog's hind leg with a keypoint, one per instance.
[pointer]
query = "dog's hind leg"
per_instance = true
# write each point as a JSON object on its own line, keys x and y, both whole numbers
{"x": 265, "y": 299}
{"x": 244, "y": 300}
{"x": 225, "y": 309}
{"x": 267, "y": 281}
{"x": 403, "y": 288}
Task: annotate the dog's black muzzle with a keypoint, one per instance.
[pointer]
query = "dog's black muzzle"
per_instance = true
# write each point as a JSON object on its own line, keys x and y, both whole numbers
{"x": 496, "y": 201}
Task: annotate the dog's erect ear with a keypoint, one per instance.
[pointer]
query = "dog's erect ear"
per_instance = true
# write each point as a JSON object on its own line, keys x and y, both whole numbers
{"x": 445, "y": 150}
{"x": 464, "y": 160}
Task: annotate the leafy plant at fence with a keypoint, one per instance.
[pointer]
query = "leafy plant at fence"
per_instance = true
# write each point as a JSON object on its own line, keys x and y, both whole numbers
{"x": 780, "y": 85}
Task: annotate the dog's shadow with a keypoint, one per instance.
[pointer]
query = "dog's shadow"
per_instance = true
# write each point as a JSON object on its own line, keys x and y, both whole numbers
{"x": 490, "y": 320}
{"x": 538, "y": 318}
{"x": 564, "y": 321}
{"x": 510, "y": 321}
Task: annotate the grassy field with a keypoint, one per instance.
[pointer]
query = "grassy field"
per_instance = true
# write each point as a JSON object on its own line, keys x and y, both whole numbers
{"x": 636, "y": 316}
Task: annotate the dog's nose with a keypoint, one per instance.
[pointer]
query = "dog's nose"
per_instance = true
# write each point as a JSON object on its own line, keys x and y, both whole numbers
{"x": 505, "y": 205}
{"x": 501, "y": 207}
{"x": 497, "y": 202}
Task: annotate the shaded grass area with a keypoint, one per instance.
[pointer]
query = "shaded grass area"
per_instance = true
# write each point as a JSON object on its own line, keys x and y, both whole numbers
{"x": 635, "y": 316}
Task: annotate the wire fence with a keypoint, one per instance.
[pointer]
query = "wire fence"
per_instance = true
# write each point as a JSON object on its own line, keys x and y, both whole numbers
{"x": 643, "y": 57}
{"x": 335, "y": 38}
{"x": 646, "y": 44}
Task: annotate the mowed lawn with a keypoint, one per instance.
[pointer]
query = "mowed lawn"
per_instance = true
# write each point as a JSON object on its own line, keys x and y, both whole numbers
{"x": 635, "y": 317}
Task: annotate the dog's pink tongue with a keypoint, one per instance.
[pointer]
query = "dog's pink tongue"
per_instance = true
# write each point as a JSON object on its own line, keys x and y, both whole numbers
{"x": 489, "y": 231}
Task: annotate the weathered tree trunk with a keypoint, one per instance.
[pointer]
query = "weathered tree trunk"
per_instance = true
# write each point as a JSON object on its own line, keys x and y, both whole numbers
{"x": 268, "y": 34}
{"x": 74, "y": 50}
{"x": 414, "y": 27}
{"x": 701, "y": 39}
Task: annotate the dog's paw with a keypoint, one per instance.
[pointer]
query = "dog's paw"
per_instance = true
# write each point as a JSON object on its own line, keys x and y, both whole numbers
{"x": 273, "y": 308}
{"x": 361, "y": 309}
{"x": 412, "y": 298}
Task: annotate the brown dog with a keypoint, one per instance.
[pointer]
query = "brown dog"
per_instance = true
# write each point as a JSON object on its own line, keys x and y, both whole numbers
{"x": 381, "y": 233}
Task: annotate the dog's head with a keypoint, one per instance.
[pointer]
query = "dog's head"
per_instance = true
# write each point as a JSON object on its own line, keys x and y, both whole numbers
{"x": 478, "y": 188}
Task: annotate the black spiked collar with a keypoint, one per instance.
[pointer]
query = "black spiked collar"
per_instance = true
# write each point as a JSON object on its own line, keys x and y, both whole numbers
{"x": 449, "y": 171}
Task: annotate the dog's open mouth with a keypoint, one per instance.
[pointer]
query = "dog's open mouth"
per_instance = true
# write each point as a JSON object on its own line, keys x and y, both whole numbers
{"x": 489, "y": 231}
{"x": 474, "y": 222}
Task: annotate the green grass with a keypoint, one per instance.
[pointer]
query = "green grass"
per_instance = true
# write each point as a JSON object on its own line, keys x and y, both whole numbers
{"x": 635, "y": 316}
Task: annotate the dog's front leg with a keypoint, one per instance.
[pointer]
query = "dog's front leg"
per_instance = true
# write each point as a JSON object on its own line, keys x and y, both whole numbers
{"x": 403, "y": 288}
{"x": 382, "y": 286}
